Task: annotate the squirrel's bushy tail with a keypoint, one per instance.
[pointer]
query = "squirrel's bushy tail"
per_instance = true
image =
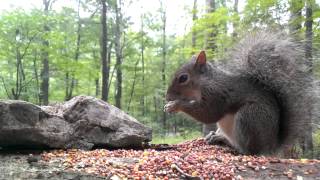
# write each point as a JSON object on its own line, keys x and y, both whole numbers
{"x": 279, "y": 64}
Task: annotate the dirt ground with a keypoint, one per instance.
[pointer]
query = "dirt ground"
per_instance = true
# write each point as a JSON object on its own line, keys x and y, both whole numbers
{"x": 173, "y": 163}
{"x": 17, "y": 165}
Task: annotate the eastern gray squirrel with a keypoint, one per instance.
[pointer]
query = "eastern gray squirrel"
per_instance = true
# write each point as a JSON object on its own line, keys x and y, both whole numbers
{"x": 261, "y": 100}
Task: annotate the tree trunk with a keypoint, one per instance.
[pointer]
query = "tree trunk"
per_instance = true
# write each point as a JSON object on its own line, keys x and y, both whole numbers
{"x": 182, "y": 49}
{"x": 67, "y": 79}
{"x": 194, "y": 33}
{"x": 235, "y": 23}
{"x": 103, "y": 47}
{"x": 155, "y": 108}
{"x": 76, "y": 56}
{"x": 308, "y": 140}
{"x": 142, "y": 61}
{"x": 118, "y": 32}
{"x": 295, "y": 16}
{"x": 225, "y": 31}
{"x": 211, "y": 45}
{"x": 36, "y": 76}
{"x": 16, "y": 91}
{"x": 45, "y": 74}
{"x": 96, "y": 81}
{"x": 211, "y": 37}
{"x": 45, "y": 60}
{"x": 309, "y": 34}
{"x": 77, "y": 53}
{"x": 164, "y": 56}
{"x": 133, "y": 84}
{"x": 114, "y": 68}
{"x": 295, "y": 21}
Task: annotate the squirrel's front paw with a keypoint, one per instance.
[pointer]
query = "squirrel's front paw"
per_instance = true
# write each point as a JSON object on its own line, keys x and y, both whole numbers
{"x": 216, "y": 139}
{"x": 171, "y": 107}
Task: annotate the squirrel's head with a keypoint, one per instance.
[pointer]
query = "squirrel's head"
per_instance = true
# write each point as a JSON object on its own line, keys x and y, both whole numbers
{"x": 186, "y": 82}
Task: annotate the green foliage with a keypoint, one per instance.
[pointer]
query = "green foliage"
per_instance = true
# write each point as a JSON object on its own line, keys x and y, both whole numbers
{"x": 175, "y": 139}
{"x": 317, "y": 144}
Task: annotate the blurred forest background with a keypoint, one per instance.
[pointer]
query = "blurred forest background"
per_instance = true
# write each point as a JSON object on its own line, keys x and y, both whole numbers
{"x": 125, "y": 52}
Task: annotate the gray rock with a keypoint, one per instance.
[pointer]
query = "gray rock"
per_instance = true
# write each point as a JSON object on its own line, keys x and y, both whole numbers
{"x": 83, "y": 122}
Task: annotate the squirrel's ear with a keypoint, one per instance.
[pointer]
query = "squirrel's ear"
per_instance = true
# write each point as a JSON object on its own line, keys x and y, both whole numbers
{"x": 201, "y": 59}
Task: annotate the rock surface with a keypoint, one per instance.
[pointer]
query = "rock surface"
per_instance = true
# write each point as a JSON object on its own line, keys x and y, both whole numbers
{"x": 83, "y": 122}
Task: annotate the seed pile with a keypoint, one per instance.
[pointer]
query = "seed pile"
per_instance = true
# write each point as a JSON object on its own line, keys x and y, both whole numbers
{"x": 192, "y": 159}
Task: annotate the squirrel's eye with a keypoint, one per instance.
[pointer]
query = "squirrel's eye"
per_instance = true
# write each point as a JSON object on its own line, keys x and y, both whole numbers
{"x": 183, "y": 78}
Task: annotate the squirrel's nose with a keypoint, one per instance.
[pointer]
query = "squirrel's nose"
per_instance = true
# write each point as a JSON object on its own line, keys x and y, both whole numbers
{"x": 170, "y": 97}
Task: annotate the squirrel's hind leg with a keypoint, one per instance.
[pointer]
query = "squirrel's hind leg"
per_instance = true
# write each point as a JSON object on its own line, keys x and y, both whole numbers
{"x": 256, "y": 128}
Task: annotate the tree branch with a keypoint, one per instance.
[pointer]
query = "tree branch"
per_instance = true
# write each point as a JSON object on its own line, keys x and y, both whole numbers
{"x": 5, "y": 87}
{"x": 28, "y": 45}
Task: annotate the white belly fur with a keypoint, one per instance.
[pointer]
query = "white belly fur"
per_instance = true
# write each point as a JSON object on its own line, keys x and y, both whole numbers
{"x": 226, "y": 126}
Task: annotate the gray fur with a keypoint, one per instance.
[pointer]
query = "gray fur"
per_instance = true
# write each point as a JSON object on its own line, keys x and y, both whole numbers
{"x": 264, "y": 83}
{"x": 278, "y": 62}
